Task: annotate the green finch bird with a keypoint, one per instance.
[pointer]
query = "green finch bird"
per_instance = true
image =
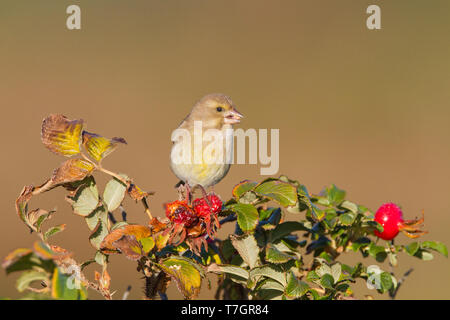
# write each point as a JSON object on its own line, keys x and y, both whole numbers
{"x": 206, "y": 157}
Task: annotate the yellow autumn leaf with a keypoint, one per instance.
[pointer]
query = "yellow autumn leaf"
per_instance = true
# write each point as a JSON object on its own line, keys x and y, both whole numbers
{"x": 99, "y": 147}
{"x": 61, "y": 135}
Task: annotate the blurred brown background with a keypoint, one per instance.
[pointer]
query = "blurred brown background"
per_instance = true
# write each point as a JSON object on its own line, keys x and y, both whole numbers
{"x": 366, "y": 110}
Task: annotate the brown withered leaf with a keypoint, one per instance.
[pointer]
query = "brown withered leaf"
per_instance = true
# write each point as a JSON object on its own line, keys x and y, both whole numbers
{"x": 157, "y": 225}
{"x": 99, "y": 147}
{"x": 61, "y": 135}
{"x": 129, "y": 246}
{"x": 139, "y": 232}
{"x": 68, "y": 174}
{"x": 38, "y": 216}
{"x": 103, "y": 279}
{"x": 72, "y": 170}
{"x": 22, "y": 202}
{"x": 136, "y": 193}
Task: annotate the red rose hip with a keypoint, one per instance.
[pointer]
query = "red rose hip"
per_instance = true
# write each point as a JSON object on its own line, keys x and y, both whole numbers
{"x": 390, "y": 216}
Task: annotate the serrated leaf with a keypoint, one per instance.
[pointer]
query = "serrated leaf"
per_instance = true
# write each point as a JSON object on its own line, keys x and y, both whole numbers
{"x": 283, "y": 193}
{"x": 327, "y": 281}
{"x": 377, "y": 252}
{"x": 270, "y": 285}
{"x": 247, "y": 216}
{"x": 54, "y": 230}
{"x": 99, "y": 147}
{"x": 436, "y": 246}
{"x": 114, "y": 194}
{"x": 268, "y": 272}
{"x": 242, "y": 188}
{"x": 61, "y": 135}
{"x": 86, "y": 198}
{"x": 295, "y": 288}
{"x": 385, "y": 281}
{"x": 186, "y": 274}
{"x": 98, "y": 234}
{"x": 334, "y": 195}
{"x": 424, "y": 255}
{"x": 336, "y": 271}
{"x": 347, "y": 219}
{"x": 247, "y": 247}
{"x": 412, "y": 248}
{"x": 137, "y": 231}
{"x": 100, "y": 258}
{"x": 26, "y": 278}
{"x": 238, "y": 274}
{"x": 129, "y": 246}
{"x": 274, "y": 255}
{"x": 37, "y": 217}
{"x": 349, "y": 206}
{"x": 71, "y": 170}
{"x": 99, "y": 214}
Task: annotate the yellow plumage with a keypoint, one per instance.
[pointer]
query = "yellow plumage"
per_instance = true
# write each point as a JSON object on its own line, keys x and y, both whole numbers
{"x": 214, "y": 111}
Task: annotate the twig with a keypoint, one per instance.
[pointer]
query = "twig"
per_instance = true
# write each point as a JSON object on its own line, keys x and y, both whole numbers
{"x": 399, "y": 283}
{"x": 126, "y": 293}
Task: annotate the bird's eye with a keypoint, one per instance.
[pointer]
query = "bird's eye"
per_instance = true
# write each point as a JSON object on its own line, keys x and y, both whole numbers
{"x": 219, "y": 109}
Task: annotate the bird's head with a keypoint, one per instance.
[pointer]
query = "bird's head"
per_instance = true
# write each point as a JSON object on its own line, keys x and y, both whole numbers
{"x": 217, "y": 108}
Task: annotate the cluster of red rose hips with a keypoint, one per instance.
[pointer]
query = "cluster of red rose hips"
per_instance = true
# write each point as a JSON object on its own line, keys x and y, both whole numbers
{"x": 201, "y": 209}
{"x": 390, "y": 216}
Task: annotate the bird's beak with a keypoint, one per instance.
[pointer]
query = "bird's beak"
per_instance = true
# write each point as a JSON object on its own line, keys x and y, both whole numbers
{"x": 232, "y": 116}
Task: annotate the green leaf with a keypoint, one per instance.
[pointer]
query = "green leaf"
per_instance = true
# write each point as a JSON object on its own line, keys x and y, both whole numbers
{"x": 186, "y": 274}
{"x": 237, "y": 274}
{"x": 269, "y": 290}
{"x": 100, "y": 258}
{"x": 336, "y": 271}
{"x": 268, "y": 272}
{"x": 243, "y": 187}
{"x": 247, "y": 247}
{"x": 377, "y": 252}
{"x": 98, "y": 234}
{"x": 283, "y": 193}
{"x": 286, "y": 228}
{"x": 54, "y": 230}
{"x": 385, "y": 281}
{"x": 26, "y": 278}
{"x": 424, "y": 255}
{"x": 114, "y": 194}
{"x": 86, "y": 198}
{"x": 247, "y": 216}
{"x": 276, "y": 256}
{"x": 335, "y": 195}
{"x": 347, "y": 218}
{"x": 436, "y": 246}
{"x": 327, "y": 281}
{"x": 295, "y": 288}
{"x": 99, "y": 214}
{"x": 67, "y": 287}
{"x": 349, "y": 206}
{"x": 412, "y": 248}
